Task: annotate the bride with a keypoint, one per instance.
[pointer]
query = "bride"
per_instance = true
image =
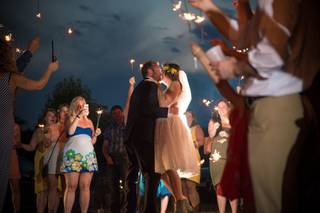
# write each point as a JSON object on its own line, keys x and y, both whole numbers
{"x": 175, "y": 154}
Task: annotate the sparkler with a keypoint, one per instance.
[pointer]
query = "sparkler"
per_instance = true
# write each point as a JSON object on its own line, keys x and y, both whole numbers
{"x": 70, "y": 31}
{"x": 177, "y": 6}
{"x": 207, "y": 102}
{"x": 140, "y": 66}
{"x": 215, "y": 156}
{"x": 199, "y": 19}
{"x": 132, "y": 61}
{"x": 99, "y": 113}
{"x": 41, "y": 125}
{"x": 201, "y": 162}
{"x": 38, "y": 14}
{"x": 18, "y": 50}
{"x": 8, "y": 37}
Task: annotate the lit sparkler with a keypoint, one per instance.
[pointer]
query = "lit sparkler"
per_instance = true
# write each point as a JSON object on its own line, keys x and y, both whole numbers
{"x": 70, "y": 30}
{"x": 18, "y": 50}
{"x": 199, "y": 19}
{"x": 99, "y": 113}
{"x": 41, "y": 125}
{"x": 215, "y": 156}
{"x": 177, "y": 6}
{"x": 189, "y": 16}
{"x": 8, "y": 37}
{"x": 201, "y": 162}
{"x": 132, "y": 61}
{"x": 38, "y": 15}
{"x": 206, "y": 102}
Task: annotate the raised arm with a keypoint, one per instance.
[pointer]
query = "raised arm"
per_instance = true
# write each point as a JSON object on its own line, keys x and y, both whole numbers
{"x": 217, "y": 18}
{"x": 130, "y": 91}
{"x": 27, "y": 84}
{"x": 25, "y": 58}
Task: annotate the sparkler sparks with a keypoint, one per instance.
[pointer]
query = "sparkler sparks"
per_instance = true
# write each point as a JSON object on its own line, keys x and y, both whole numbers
{"x": 199, "y": 19}
{"x": 177, "y": 6}
{"x": 8, "y": 37}
{"x": 215, "y": 156}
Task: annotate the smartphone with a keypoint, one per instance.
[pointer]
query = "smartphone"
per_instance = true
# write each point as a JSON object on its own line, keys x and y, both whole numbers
{"x": 53, "y": 57}
{"x": 86, "y": 108}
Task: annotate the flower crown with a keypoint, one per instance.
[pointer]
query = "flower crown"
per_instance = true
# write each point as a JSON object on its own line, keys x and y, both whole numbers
{"x": 169, "y": 69}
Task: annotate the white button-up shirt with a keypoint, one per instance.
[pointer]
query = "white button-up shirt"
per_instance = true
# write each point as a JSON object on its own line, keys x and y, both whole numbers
{"x": 265, "y": 59}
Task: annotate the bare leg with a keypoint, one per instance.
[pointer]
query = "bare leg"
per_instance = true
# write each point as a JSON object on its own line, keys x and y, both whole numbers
{"x": 221, "y": 203}
{"x": 166, "y": 182}
{"x": 53, "y": 192}
{"x": 15, "y": 191}
{"x": 192, "y": 194}
{"x": 234, "y": 205}
{"x": 164, "y": 204}
{"x": 72, "y": 180}
{"x": 84, "y": 184}
{"x": 175, "y": 182}
{"x": 42, "y": 199}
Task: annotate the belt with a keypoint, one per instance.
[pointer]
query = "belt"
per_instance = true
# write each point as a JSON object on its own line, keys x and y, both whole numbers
{"x": 249, "y": 100}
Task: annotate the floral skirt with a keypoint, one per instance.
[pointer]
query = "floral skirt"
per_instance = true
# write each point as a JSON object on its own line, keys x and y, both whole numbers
{"x": 79, "y": 155}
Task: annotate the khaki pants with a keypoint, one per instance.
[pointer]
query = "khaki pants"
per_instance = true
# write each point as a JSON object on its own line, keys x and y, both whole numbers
{"x": 271, "y": 135}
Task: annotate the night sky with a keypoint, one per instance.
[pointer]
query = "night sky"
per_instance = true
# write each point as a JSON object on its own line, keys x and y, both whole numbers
{"x": 107, "y": 34}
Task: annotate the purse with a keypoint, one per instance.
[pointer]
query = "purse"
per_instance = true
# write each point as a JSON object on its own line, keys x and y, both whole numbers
{"x": 45, "y": 167}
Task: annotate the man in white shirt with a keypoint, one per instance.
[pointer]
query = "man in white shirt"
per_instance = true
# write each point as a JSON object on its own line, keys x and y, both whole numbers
{"x": 273, "y": 100}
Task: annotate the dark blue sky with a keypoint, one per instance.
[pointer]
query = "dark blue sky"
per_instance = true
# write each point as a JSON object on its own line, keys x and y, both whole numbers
{"x": 107, "y": 34}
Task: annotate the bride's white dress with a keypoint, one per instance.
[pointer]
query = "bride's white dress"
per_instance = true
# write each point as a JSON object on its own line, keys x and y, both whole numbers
{"x": 174, "y": 149}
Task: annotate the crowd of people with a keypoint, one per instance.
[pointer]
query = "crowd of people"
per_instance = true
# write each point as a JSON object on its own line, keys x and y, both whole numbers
{"x": 262, "y": 140}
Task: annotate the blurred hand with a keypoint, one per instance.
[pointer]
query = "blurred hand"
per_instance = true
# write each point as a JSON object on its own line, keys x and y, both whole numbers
{"x": 235, "y": 3}
{"x": 195, "y": 49}
{"x": 97, "y": 132}
{"x": 226, "y": 69}
{"x": 174, "y": 109}
{"x": 132, "y": 81}
{"x": 203, "y": 5}
{"x": 223, "y": 45}
{"x": 34, "y": 44}
{"x": 53, "y": 66}
{"x": 109, "y": 161}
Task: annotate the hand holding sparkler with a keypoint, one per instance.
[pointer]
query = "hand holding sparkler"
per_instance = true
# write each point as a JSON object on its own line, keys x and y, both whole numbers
{"x": 203, "y": 5}
{"x": 34, "y": 44}
{"x": 203, "y": 58}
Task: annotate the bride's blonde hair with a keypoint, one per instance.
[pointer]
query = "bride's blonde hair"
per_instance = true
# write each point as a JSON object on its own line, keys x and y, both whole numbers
{"x": 74, "y": 105}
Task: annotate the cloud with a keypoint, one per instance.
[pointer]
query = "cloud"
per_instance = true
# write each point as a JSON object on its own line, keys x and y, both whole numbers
{"x": 175, "y": 50}
{"x": 85, "y": 8}
{"x": 169, "y": 40}
{"x": 116, "y": 17}
{"x": 86, "y": 24}
{"x": 159, "y": 28}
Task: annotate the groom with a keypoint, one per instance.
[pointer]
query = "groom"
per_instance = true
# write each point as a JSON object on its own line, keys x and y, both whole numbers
{"x": 139, "y": 136}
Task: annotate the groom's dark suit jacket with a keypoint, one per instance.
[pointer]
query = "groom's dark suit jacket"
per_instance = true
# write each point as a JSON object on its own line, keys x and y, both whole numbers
{"x": 143, "y": 111}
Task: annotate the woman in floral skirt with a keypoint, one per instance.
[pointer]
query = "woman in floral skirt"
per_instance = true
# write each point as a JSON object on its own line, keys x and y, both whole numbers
{"x": 79, "y": 158}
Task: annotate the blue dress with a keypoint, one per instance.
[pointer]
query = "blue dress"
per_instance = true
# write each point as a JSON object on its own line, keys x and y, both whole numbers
{"x": 78, "y": 153}
{"x": 162, "y": 190}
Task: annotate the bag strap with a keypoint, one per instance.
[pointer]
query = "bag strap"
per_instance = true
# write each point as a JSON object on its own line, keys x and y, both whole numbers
{"x": 55, "y": 145}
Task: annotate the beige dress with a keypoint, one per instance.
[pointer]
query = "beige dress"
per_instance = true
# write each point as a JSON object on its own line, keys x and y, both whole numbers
{"x": 174, "y": 149}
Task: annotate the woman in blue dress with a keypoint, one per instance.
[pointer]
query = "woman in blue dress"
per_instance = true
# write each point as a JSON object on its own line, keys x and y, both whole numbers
{"x": 79, "y": 158}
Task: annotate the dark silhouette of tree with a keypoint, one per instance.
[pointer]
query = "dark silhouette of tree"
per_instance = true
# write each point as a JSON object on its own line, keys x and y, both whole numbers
{"x": 65, "y": 91}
